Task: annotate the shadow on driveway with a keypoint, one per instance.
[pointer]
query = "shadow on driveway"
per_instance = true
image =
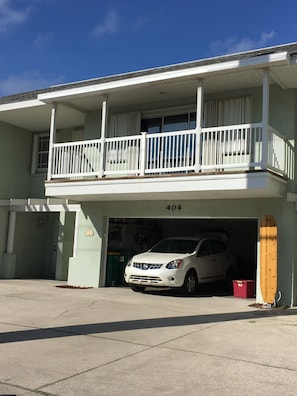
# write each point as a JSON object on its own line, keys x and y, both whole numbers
{"x": 108, "y": 327}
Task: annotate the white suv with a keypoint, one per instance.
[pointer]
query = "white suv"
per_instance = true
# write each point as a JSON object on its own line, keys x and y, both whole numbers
{"x": 182, "y": 262}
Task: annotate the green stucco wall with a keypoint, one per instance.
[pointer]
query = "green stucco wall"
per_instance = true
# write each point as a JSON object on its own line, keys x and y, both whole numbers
{"x": 15, "y": 162}
{"x": 3, "y": 234}
{"x": 84, "y": 266}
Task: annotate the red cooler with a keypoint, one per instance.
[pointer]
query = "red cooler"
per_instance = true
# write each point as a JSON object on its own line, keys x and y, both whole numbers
{"x": 244, "y": 288}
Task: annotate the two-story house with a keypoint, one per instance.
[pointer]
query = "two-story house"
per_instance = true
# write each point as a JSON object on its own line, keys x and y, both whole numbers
{"x": 108, "y": 166}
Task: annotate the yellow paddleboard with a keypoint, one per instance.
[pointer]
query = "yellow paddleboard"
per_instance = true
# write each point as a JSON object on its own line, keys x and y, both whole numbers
{"x": 268, "y": 258}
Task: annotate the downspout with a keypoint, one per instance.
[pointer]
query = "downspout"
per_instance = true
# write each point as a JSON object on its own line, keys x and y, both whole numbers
{"x": 8, "y": 266}
{"x": 103, "y": 134}
{"x": 52, "y": 140}
{"x": 11, "y": 232}
{"x": 199, "y": 121}
{"x": 292, "y": 284}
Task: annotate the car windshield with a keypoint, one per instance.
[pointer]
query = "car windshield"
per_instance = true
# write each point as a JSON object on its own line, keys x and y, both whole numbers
{"x": 175, "y": 246}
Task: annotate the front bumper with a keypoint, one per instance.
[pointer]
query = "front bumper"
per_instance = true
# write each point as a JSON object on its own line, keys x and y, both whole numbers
{"x": 165, "y": 278}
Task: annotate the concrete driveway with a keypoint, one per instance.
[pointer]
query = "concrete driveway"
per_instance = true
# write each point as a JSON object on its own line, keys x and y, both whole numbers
{"x": 111, "y": 341}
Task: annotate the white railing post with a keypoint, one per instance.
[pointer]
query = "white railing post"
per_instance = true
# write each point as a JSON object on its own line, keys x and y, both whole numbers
{"x": 52, "y": 139}
{"x": 103, "y": 134}
{"x": 265, "y": 117}
{"x": 199, "y": 120}
{"x": 142, "y": 154}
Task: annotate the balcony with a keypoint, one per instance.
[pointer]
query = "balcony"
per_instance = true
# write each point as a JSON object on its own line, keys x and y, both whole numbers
{"x": 213, "y": 154}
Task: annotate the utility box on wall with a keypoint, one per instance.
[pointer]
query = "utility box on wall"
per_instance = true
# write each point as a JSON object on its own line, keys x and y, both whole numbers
{"x": 244, "y": 288}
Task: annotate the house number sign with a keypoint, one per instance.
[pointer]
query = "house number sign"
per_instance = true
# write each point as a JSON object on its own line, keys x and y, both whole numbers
{"x": 89, "y": 232}
{"x": 173, "y": 207}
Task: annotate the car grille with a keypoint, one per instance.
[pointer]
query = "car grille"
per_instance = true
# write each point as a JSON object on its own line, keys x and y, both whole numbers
{"x": 150, "y": 279}
{"x": 145, "y": 266}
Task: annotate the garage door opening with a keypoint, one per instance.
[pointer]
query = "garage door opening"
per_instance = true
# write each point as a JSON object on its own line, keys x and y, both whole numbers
{"x": 129, "y": 236}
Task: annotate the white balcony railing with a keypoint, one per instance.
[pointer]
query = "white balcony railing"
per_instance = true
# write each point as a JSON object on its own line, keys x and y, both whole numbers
{"x": 236, "y": 147}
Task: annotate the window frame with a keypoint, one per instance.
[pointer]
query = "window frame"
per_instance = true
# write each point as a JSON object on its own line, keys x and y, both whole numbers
{"x": 160, "y": 122}
{"x": 36, "y": 167}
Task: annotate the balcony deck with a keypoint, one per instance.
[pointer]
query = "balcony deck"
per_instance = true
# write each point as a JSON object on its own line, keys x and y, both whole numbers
{"x": 182, "y": 163}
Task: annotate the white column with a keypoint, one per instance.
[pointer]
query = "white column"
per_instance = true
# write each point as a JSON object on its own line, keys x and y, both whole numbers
{"x": 142, "y": 154}
{"x": 11, "y": 232}
{"x": 199, "y": 121}
{"x": 52, "y": 139}
{"x": 265, "y": 116}
{"x": 104, "y": 117}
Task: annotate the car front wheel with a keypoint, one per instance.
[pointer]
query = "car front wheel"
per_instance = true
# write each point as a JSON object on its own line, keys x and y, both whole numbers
{"x": 190, "y": 283}
{"x": 137, "y": 289}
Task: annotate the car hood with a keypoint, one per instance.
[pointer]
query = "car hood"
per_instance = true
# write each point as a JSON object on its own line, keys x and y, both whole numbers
{"x": 158, "y": 258}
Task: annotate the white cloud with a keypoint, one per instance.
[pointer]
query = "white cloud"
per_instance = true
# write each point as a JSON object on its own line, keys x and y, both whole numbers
{"x": 266, "y": 37}
{"x": 42, "y": 40}
{"x": 27, "y": 81}
{"x": 234, "y": 45}
{"x": 109, "y": 25}
{"x": 139, "y": 22}
{"x": 10, "y": 16}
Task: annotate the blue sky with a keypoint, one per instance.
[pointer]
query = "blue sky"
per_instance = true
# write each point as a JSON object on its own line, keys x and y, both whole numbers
{"x": 47, "y": 42}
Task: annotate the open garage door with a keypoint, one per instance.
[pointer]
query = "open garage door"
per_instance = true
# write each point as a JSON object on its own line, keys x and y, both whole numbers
{"x": 128, "y": 236}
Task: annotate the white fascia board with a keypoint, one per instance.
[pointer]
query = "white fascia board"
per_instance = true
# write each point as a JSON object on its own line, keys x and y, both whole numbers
{"x": 201, "y": 183}
{"x": 21, "y": 105}
{"x": 199, "y": 72}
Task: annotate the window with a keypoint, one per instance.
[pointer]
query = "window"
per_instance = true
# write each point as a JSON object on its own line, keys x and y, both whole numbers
{"x": 169, "y": 123}
{"x": 174, "y": 150}
{"x": 217, "y": 247}
{"x": 175, "y": 246}
{"x": 152, "y": 125}
{"x": 216, "y": 113}
{"x": 40, "y": 153}
{"x": 205, "y": 249}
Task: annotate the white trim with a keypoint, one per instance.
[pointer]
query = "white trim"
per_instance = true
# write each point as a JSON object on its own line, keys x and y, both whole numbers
{"x": 153, "y": 77}
{"x": 42, "y": 205}
{"x": 104, "y": 120}
{"x": 52, "y": 138}
{"x": 35, "y": 169}
{"x": 21, "y": 105}
{"x": 199, "y": 121}
{"x": 265, "y": 116}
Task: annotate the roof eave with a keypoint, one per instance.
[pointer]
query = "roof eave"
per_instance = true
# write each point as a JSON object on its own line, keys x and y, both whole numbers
{"x": 156, "y": 75}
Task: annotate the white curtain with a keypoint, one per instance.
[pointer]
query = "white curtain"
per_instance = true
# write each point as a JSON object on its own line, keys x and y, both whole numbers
{"x": 124, "y": 124}
{"x": 227, "y": 112}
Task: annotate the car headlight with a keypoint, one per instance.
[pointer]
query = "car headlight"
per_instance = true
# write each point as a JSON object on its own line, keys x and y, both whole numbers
{"x": 174, "y": 264}
{"x": 129, "y": 263}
